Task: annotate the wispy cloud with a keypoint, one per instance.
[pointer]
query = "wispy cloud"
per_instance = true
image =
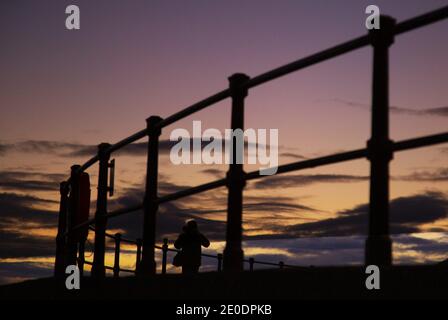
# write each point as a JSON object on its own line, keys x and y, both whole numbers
{"x": 68, "y": 149}
{"x": 305, "y": 179}
{"x": 438, "y": 111}
{"x": 435, "y": 175}
{"x": 293, "y": 155}
{"x": 30, "y": 181}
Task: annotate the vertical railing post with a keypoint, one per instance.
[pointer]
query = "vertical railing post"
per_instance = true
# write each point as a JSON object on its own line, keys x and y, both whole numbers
{"x": 72, "y": 243}
{"x": 219, "y": 262}
{"x": 164, "y": 253}
{"x": 378, "y": 243}
{"x": 81, "y": 256}
{"x": 150, "y": 205}
{"x": 59, "y": 263}
{"x": 281, "y": 264}
{"x": 251, "y": 264}
{"x": 138, "y": 257}
{"x": 117, "y": 255}
{"x": 98, "y": 270}
{"x": 233, "y": 252}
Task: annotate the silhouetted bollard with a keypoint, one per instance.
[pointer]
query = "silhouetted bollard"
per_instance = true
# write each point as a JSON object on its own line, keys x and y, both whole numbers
{"x": 219, "y": 262}
{"x": 251, "y": 264}
{"x": 59, "y": 263}
{"x": 72, "y": 243}
{"x": 98, "y": 270}
{"x": 164, "y": 252}
{"x": 150, "y": 204}
{"x": 81, "y": 256}
{"x": 117, "y": 255}
{"x": 281, "y": 264}
{"x": 233, "y": 252}
{"x": 378, "y": 244}
{"x": 139, "y": 254}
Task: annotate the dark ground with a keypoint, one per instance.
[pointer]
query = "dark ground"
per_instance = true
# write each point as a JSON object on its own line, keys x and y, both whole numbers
{"x": 403, "y": 282}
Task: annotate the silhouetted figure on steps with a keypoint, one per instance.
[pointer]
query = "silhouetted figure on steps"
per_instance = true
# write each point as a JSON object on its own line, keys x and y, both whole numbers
{"x": 190, "y": 241}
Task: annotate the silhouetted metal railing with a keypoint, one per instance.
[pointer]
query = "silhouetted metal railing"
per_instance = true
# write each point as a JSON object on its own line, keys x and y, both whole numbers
{"x": 118, "y": 240}
{"x": 379, "y": 152}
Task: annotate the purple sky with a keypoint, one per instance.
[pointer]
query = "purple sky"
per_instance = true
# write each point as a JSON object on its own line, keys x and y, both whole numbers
{"x": 134, "y": 59}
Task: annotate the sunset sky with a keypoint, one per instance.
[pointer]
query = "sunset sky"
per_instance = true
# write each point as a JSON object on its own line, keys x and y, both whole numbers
{"x": 63, "y": 92}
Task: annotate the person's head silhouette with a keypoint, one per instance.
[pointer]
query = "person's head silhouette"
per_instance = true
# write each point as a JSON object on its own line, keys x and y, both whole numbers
{"x": 191, "y": 226}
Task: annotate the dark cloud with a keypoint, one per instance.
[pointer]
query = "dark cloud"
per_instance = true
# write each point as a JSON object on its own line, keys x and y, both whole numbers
{"x": 436, "y": 175}
{"x": 219, "y": 174}
{"x": 68, "y": 149}
{"x": 3, "y": 149}
{"x": 63, "y": 149}
{"x": 280, "y": 181}
{"x": 439, "y": 111}
{"x": 39, "y": 146}
{"x": 303, "y": 179}
{"x": 407, "y": 214}
{"x": 18, "y": 217}
{"x": 30, "y": 181}
{"x": 20, "y": 271}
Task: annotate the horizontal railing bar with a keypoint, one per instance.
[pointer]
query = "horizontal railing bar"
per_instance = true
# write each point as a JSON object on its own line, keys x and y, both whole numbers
{"x": 109, "y": 235}
{"x": 127, "y": 240}
{"x": 300, "y": 165}
{"x": 194, "y": 108}
{"x": 209, "y": 255}
{"x": 112, "y": 148}
{"x": 128, "y": 140}
{"x": 85, "y": 166}
{"x": 109, "y": 215}
{"x": 309, "y": 61}
{"x": 345, "y": 47}
{"x": 353, "y": 155}
{"x": 79, "y": 226}
{"x": 422, "y": 20}
{"x": 202, "y": 254}
{"x": 264, "y": 263}
{"x": 311, "y": 163}
{"x": 177, "y": 250}
{"x": 90, "y": 263}
{"x": 88, "y": 164}
{"x": 273, "y": 264}
{"x": 127, "y": 270}
{"x": 193, "y": 190}
{"x": 420, "y": 142}
{"x": 112, "y": 236}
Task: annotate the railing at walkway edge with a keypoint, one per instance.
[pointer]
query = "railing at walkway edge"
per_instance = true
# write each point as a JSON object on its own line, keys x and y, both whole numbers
{"x": 118, "y": 239}
{"x": 379, "y": 151}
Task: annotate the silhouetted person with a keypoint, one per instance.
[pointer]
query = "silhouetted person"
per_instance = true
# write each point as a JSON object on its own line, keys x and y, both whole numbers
{"x": 190, "y": 241}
